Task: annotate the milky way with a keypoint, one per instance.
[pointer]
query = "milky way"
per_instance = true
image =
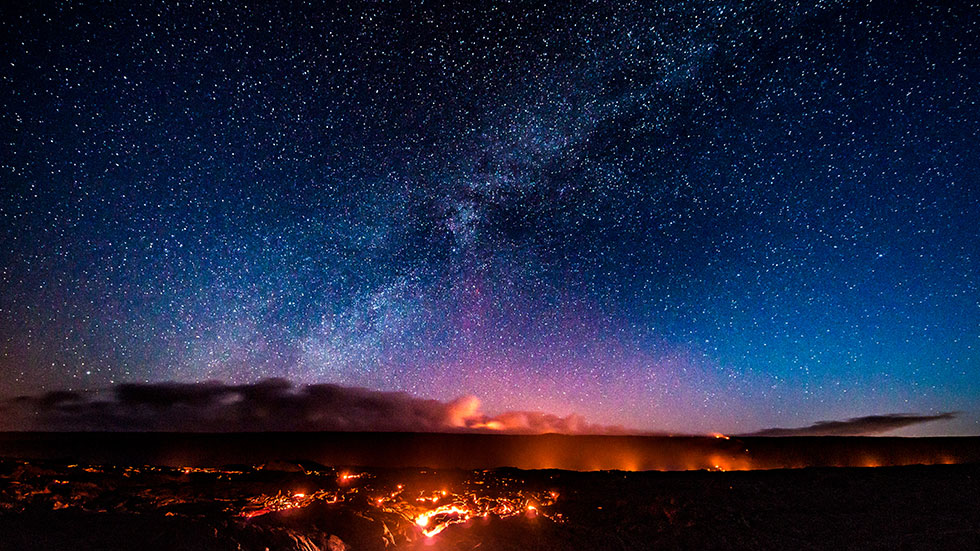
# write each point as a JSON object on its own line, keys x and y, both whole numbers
{"x": 672, "y": 216}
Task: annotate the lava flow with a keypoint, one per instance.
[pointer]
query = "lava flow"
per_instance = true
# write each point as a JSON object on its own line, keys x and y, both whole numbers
{"x": 432, "y": 511}
{"x": 305, "y": 506}
{"x": 483, "y": 496}
{"x": 260, "y": 505}
{"x": 412, "y": 503}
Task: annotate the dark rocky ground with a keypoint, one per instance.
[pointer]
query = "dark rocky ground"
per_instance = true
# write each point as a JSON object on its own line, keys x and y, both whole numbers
{"x": 302, "y": 506}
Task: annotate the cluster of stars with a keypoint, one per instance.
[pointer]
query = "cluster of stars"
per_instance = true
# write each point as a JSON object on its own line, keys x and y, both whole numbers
{"x": 686, "y": 216}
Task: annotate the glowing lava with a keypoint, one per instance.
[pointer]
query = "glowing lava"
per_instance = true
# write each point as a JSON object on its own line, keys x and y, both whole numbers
{"x": 444, "y": 516}
{"x": 264, "y": 504}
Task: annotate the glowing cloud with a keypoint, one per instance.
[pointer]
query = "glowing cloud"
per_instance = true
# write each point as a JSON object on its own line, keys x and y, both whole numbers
{"x": 271, "y": 405}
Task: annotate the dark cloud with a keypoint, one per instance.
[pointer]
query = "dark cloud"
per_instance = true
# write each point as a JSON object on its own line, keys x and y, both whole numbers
{"x": 857, "y": 426}
{"x": 270, "y": 405}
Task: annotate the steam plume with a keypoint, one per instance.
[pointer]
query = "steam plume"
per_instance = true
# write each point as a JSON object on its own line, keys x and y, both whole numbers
{"x": 271, "y": 405}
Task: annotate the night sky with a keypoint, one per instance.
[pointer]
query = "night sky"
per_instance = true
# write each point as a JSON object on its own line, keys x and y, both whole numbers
{"x": 686, "y": 216}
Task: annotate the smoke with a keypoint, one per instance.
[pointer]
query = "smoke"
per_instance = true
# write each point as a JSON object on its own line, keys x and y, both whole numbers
{"x": 858, "y": 426}
{"x": 462, "y": 410}
{"x": 271, "y": 405}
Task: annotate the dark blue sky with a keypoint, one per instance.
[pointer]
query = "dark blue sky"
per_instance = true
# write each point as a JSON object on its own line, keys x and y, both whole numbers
{"x": 685, "y": 216}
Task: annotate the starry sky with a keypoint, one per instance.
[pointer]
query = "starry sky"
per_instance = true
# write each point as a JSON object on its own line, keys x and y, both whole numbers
{"x": 677, "y": 215}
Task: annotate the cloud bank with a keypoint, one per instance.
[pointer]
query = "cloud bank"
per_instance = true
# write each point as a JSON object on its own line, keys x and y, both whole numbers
{"x": 271, "y": 405}
{"x": 858, "y": 426}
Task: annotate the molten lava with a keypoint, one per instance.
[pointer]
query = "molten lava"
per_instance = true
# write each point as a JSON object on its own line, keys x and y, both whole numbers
{"x": 482, "y": 496}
